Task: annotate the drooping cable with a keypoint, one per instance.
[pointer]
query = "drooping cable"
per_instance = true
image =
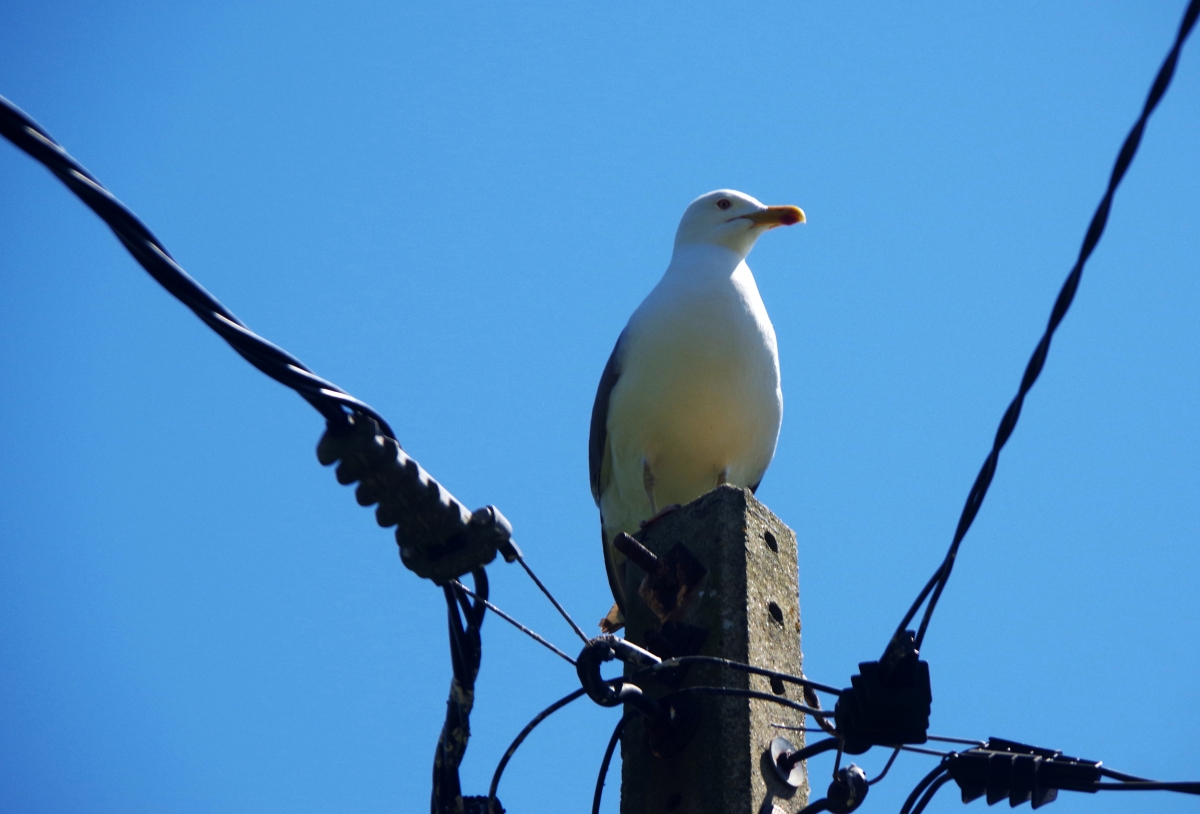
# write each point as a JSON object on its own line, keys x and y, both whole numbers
{"x": 930, "y": 792}
{"x": 608, "y": 754}
{"x": 529, "y": 727}
{"x": 924, "y": 784}
{"x": 887, "y": 767}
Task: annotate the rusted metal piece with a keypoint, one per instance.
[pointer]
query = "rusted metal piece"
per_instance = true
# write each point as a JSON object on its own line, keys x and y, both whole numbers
{"x": 671, "y": 581}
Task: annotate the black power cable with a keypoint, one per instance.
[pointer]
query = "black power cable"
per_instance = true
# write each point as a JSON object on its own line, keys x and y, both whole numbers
{"x": 428, "y": 515}
{"x": 998, "y": 769}
{"x": 682, "y": 661}
{"x": 329, "y": 400}
{"x": 466, "y": 652}
{"x": 930, "y": 792}
{"x": 493, "y": 806}
{"x": 340, "y": 409}
{"x": 737, "y": 692}
{"x": 933, "y": 589}
{"x": 608, "y": 754}
{"x": 439, "y": 538}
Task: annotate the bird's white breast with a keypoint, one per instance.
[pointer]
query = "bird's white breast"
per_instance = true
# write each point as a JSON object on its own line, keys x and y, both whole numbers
{"x": 698, "y": 395}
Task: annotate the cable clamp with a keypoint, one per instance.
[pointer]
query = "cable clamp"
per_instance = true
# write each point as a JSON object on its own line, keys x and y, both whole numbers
{"x": 889, "y": 700}
{"x": 439, "y": 538}
{"x": 846, "y": 792}
{"x": 1020, "y": 772}
{"x": 614, "y": 692}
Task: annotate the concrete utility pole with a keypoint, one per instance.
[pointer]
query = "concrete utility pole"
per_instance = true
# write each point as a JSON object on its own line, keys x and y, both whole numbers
{"x": 745, "y": 608}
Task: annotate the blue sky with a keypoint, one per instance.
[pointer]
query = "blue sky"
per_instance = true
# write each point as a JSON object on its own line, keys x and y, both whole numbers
{"x": 451, "y": 212}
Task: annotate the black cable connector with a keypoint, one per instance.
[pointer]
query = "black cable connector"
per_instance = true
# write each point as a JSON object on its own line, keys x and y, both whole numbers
{"x": 888, "y": 702}
{"x": 846, "y": 793}
{"x": 1001, "y": 769}
{"x": 439, "y": 538}
{"x": 616, "y": 692}
{"x": 1022, "y": 773}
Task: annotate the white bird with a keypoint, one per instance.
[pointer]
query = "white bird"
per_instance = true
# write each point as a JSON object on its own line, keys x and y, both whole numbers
{"x": 690, "y": 396}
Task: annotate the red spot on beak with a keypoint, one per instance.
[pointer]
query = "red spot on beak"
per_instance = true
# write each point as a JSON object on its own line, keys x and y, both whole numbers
{"x": 774, "y": 216}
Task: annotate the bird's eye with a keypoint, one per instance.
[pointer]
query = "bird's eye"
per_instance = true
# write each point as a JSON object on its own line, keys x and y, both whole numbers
{"x": 724, "y": 203}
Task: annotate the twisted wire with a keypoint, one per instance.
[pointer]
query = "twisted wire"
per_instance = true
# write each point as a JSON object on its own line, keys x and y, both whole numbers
{"x": 327, "y": 398}
{"x": 466, "y": 653}
{"x": 933, "y": 588}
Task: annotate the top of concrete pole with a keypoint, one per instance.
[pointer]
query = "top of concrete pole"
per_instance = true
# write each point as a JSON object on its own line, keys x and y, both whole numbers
{"x": 745, "y": 608}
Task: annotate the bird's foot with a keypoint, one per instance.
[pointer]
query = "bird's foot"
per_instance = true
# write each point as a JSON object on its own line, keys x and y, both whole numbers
{"x": 660, "y": 514}
{"x": 613, "y": 621}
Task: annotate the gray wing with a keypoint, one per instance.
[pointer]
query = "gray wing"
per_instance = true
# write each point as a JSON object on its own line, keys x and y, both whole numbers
{"x": 597, "y": 451}
{"x": 598, "y": 438}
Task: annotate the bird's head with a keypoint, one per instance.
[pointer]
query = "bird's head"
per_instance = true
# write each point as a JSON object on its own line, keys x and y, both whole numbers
{"x": 732, "y": 219}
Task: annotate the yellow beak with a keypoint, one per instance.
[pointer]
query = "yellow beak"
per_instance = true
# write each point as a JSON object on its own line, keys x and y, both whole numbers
{"x": 774, "y": 216}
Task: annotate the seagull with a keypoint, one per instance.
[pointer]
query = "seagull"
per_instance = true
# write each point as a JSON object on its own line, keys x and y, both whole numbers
{"x": 690, "y": 396}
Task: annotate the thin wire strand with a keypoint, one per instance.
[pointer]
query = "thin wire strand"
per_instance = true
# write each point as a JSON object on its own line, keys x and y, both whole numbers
{"x": 529, "y": 727}
{"x": 1113, "y": 773}
{"x": 608, "y": 753}
{"x": 531, "y": 634}
{"x": 740, "y": 693}
{"x": 1150, "y": 785}
{"x": 682, "y": 661}
{"x": 921, "y": 751}
{"x": 944, "y": 739}
{"x": 578, "y": 631}
{"x": 797, "y": 728}
{"x": 933, "y": 589}
{"x": 886, "y": 767}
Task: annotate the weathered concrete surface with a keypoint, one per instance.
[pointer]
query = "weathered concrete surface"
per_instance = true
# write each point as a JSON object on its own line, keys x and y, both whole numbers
{"x": 749, "y": 605}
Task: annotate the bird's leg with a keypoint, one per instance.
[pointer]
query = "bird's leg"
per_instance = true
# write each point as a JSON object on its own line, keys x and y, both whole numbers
{"x": 648, "y": 481}
{"x": 723, "y": 476}
{"x": 648, "y": 484}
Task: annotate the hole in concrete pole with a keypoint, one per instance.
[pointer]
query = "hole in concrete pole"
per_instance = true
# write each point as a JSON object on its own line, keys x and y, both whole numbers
{"x": 673, "y": 801}
{"x": 771, "y": 542}
{"x": 777, "y": 685}
{"x": 775, "y": 611}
